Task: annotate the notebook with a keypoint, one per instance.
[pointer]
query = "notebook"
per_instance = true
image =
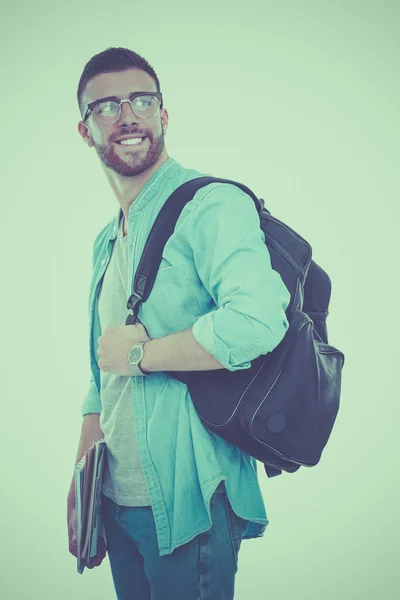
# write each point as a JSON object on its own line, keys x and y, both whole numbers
{"x": 88, "y": 477}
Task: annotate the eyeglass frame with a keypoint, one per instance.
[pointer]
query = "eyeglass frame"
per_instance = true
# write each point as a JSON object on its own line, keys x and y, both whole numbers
{"x": 130, "y": 99}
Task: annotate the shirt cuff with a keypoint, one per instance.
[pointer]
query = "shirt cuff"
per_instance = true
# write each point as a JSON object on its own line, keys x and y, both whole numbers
{"x": 92, "y": 402}
{"x": 232, "y": 359}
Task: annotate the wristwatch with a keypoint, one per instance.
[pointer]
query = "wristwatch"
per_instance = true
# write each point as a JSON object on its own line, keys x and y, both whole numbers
{"x": 135, "y": 355}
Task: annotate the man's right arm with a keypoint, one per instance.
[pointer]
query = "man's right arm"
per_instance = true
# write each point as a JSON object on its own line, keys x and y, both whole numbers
{"x": 90, "y": 433}
{"x": 91, "y": 402}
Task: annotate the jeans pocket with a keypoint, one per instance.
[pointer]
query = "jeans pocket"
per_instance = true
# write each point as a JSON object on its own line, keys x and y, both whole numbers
{"x": 237, "y": 526}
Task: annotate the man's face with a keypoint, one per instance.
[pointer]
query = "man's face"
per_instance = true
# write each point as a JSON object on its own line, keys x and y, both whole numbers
{"x": 128, "y": 161}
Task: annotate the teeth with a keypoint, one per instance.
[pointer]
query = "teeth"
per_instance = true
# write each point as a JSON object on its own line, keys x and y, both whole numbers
{"x": 131, "y": 141}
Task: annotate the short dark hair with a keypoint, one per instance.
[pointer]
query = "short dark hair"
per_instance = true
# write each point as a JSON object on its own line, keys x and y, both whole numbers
{"x": 113, "y": 60}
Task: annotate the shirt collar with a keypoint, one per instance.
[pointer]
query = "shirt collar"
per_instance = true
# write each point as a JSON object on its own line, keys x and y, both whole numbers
{"x": 149, "y": 190}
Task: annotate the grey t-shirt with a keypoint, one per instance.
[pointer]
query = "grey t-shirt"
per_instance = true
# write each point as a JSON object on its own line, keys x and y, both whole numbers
{"x": 123, "y": 476}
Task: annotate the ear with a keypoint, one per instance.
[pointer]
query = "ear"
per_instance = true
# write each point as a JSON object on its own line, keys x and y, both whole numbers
{"x": 84, "y": 133}
{"x": 164, "y": 120}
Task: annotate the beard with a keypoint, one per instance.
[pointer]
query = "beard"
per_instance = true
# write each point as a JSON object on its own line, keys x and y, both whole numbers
{"x": 133, "y": 162}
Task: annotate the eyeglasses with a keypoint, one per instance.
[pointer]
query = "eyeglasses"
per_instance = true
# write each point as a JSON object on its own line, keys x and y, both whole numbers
{"x": 108, "y": 110}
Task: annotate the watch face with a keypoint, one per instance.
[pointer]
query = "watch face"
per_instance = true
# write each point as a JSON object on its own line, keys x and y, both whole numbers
{"x": 135, "y": 354}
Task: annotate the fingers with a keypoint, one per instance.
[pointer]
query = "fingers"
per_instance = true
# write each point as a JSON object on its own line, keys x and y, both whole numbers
{"x": 73, "y": 546}
{"x": 96, "y": 561}
{"x": 141, "y": 327}
{"x": 73, "y": 542}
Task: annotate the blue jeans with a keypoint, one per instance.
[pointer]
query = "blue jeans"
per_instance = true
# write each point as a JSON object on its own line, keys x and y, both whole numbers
{"x": 202, "y": 569}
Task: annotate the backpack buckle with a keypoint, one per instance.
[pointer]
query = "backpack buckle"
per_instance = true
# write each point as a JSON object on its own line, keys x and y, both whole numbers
{"x": 133, "y": 307}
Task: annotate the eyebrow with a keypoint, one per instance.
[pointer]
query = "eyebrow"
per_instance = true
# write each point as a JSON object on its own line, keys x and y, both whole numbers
{"x": 116, "y": 97}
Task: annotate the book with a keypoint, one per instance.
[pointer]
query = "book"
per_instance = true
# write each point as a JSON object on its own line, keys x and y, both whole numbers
{"x": 88, "y": 477}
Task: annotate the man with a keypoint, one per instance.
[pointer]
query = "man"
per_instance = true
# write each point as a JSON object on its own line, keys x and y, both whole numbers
{"x": 177, "y": 499}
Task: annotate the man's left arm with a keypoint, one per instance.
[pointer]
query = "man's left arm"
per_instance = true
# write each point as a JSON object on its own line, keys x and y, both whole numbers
{"x": 177, "y": 352}
{"x": 234, "y": 265}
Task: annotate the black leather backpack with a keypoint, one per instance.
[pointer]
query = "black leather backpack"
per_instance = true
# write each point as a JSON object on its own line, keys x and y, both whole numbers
{"x": 282, "y": 410}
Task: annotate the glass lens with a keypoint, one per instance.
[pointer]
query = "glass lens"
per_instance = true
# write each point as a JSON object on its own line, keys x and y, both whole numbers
{"x": 145, "y": 106}
{"x": 106, "y": 112}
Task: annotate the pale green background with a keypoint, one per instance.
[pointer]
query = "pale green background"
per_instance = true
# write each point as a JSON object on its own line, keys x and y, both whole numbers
{"x": 322, "y": 148}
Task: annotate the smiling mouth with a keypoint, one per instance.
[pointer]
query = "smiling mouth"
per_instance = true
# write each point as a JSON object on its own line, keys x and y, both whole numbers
{"x": 131, "y": 143}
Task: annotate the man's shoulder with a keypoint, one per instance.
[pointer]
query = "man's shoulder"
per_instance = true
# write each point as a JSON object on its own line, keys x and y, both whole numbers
{"x": 216, "y": 197}
{"x": 222, "y": 193}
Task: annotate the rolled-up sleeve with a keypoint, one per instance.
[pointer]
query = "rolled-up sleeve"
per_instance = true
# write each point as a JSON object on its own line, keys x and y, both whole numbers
{"x": 234, "y": 265}
{"x": 92, "y": 402}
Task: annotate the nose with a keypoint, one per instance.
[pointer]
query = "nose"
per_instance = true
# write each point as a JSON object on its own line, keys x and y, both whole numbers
{"x": 127, "y": 115}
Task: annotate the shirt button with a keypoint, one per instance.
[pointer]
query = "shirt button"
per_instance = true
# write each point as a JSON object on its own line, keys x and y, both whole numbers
{"x": 103, "y": 261}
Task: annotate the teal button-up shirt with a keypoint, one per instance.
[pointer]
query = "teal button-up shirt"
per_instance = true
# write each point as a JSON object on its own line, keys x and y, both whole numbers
{"x": 216, "y": 278}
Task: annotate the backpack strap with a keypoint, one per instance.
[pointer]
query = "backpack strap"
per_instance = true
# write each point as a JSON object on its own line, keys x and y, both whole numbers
{"x": 162, "y": 230}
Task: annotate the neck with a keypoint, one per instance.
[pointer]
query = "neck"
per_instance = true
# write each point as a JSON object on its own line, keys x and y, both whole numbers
{"x": 127, "y": 189}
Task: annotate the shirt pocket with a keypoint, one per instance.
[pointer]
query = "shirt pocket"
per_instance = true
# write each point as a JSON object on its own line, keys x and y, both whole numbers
{"x": 172, "y": 305}
{"x": 168, "y": 273}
